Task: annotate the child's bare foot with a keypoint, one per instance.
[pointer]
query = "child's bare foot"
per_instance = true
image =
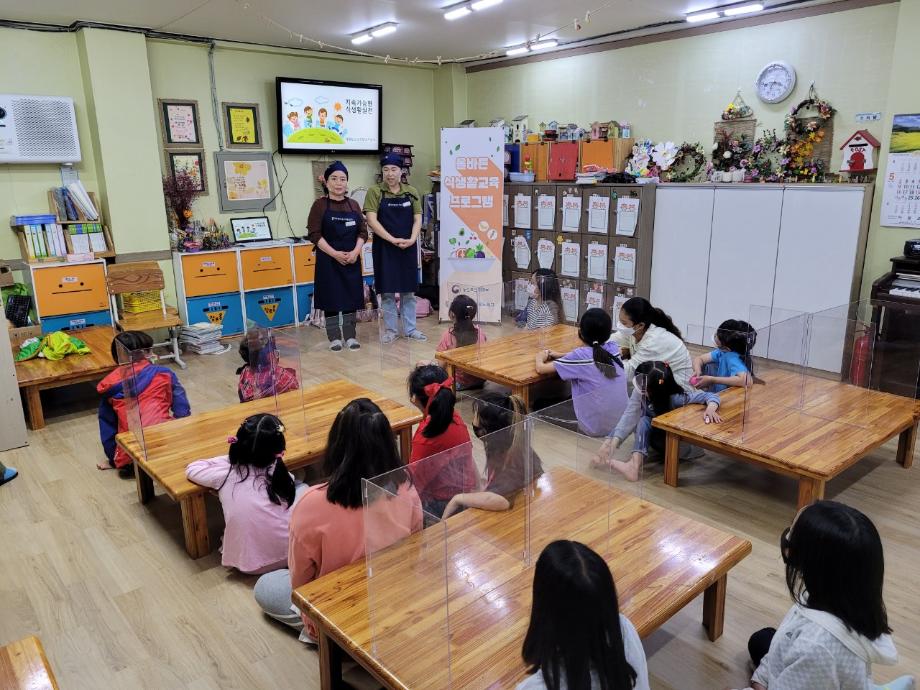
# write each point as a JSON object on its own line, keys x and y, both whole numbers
{"x": 629, "y": 469}
{"x": 104, "y": 466}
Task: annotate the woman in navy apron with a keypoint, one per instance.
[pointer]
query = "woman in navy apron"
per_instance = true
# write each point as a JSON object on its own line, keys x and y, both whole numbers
{"x": 336, "y": 226}
{"x": 394, "y": 213}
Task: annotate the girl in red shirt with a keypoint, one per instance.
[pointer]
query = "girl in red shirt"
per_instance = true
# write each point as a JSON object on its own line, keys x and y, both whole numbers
{"x": 441, "y": 463}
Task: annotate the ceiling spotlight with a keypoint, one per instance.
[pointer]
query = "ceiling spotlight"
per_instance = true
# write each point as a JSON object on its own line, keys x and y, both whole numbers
{"x": 742, "y": 9}
{"x": 384, "y": 29}
{"x": 482, "y": 4}
{"x": 520, "y": 50}
{"x": 543, "y": 45}
{"x": 361, "y": 38}
{"x": 702, "y": 16}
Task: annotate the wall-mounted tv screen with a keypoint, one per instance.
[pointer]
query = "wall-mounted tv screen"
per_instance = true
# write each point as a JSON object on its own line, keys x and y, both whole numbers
{"x": 328, "y": 116}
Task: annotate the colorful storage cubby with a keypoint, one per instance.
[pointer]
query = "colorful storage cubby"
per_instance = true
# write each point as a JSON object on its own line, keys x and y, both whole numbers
{"x": 225, "y": 310}
{"x": 210, "y": 273}
{"x": 74, "y": 322}
{"x": 270, "y": 308}
{"x": 304, "y": 302}
{"x": 266, "y": 267}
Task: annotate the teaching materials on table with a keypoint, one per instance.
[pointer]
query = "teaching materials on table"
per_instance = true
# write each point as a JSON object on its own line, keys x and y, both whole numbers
{"x": 624, "y": 265}
{"x": 627, "y": 216}
{"x": 571, "y": 213}
{"x": 251, "y": 229}
{"x": 546, "y": 212}
{"x": 571, "y": 259}
{"x": 522, "y": 211}
{"x": 599, "y": 214}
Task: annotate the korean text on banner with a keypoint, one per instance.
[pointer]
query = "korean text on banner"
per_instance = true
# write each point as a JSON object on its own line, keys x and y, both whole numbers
{"x": 471, "y": 210}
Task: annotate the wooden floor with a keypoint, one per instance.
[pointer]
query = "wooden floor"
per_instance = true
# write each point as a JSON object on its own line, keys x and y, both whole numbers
{"x": 107, "y": 586}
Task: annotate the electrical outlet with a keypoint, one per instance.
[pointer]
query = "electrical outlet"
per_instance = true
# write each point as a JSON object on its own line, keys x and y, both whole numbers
{"x": 868, "y": 117}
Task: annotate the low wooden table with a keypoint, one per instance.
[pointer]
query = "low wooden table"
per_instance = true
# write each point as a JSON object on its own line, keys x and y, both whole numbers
{"x": 24, "y": 666}
{"x": 837, "y": 425}
{"x": 169, "y": 448}
{"x": 396, "y": 625}
{"x": 509, "y": 361}
{"x": 38, "y": 374}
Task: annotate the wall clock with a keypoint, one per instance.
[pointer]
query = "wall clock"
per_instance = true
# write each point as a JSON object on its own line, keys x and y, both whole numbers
{"x": 775, "y": 82}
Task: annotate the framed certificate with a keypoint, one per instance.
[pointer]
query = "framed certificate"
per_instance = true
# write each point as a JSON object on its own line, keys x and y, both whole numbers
{"x": 242, "y": 125}
{"x": 179, "y": 123}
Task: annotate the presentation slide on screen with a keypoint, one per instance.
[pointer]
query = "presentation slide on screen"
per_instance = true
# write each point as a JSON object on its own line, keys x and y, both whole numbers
{"x": 320, "y": 117}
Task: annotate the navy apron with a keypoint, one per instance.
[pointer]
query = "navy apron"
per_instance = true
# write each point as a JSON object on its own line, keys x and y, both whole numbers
{"x": 395, "y": 269}
{"x": 338, "y": 287}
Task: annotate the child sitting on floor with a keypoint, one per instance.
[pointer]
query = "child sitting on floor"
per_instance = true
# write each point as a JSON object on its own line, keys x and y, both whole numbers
{"x": 256, "y": 492}
{"x": 152, "y": 393}
{"x": 544, "y": 301}
{"x": 439, "y": 479}
{"x": 660, "y": 393}
{"x": 730, "y": 364}
{"x": 262, "y": 375}
{"x": 463, "y": 332}
{"x": 497, "y": 421}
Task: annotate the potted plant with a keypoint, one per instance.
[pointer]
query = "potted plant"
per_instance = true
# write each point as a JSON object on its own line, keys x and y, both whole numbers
{"x": 180, "y": 191}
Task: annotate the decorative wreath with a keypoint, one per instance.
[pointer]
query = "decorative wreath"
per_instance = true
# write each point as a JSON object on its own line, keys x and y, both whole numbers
{"x": 768, "y": 158}
{"x": 681, "y": 167}
{"x": 796, "y": 128}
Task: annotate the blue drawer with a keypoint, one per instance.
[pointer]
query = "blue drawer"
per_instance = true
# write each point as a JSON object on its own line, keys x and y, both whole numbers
{"x": 270, "y": 308}
{"x": 226, "y": 310}
{"x": 74, "y": 322}
{"x": 304, "y": 301}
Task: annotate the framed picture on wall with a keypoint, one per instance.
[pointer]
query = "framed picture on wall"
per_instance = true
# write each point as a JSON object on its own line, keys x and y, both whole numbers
{"x": 242, "y": 125}
{"x": 245, "y": 181}
{"x": 179, "y": 122}
{"x": 190, "y": 163}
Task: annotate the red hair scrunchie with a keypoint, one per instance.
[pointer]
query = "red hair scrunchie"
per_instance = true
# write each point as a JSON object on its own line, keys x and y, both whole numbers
{"x": 432, "y": 388}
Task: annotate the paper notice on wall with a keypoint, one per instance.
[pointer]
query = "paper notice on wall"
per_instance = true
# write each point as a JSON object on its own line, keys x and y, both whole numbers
{"x": 618, "y": 301}
{"x": 570, "y": 302}
{"x": 571, "y": 213}
{"x": 624, "y": 267}
{"x": 521, "y": 252}
{"x": 571, "y": 257}
{"x": 546, "y": 212}
{"x": 597, "y": 261}
{"x": 505, "y": 211}
{"x": 598, "y": 214}
{"x": 522, "y": 211}
{"x": 627, "y": 216}
{"x": 594, "y": 300}
{"x": 520, "y": 293}
{"x": 546, "y": 253}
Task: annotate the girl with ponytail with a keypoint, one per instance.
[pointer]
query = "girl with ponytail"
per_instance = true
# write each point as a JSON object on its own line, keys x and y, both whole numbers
{"x": 596, "y": 373}
{"x": 646, "y": 334}
{"x": 441, "y": 463}
{"x": 256, "y": 491}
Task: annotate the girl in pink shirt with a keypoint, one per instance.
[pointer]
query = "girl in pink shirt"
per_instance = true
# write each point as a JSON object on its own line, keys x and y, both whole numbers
{"x": 464, "y": 332}
{"x": 255, "y": 491}
{"x": 327, "y": 528}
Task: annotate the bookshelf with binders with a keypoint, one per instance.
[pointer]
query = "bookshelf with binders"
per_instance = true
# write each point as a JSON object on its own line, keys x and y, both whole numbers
{"x": 78, "y": 213}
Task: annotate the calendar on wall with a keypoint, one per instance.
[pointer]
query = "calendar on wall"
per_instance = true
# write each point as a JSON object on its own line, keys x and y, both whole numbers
{"x": 901, "y": 197}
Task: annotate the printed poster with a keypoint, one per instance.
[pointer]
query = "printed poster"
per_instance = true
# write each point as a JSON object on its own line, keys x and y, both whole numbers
{"x": 571, "y": 213}
{"x": 597, "y": 261}
{"x": 571, "y": 259}
{"x": 247, "y": 180}
{"x": 624, "y": 267}
{"x": 546, "y": 212}
{"x": 546, "y": 253}
{"x": 901, "y": 197}
{"x": 598, "y": 214}
{"x": 627, "y": 216}
{"x": 472, "y": 194}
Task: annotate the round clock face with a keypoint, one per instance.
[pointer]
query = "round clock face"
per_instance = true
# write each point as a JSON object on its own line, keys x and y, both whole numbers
{"x": 775, "y": 82}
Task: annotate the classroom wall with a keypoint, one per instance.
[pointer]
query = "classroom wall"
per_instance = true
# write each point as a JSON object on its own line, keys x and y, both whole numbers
{"x": 677, "y": 89}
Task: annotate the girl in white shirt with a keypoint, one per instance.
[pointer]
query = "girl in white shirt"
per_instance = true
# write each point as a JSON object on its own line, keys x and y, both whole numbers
{"x": 838, "y": 626}
{"x": 646, "y": 334}
{"x": 577, "y": 638}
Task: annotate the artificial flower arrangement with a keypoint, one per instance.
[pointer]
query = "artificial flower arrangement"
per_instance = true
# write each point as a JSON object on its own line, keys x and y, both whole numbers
{"x": 803, "y": 135}
{"x": 688, "y": 163}
{"x": 730, "y": 151}
{"x": 768, "y": 158}
{"x": 639, "y": 163}
{"x": 180, "y": 191}
{"x": 737, "y": 109}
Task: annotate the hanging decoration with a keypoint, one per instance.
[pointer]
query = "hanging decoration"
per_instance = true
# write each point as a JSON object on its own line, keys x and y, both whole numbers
{"x": 767, "y": 160}
{"x": 689, "y": 163}
{"x": 808, "y": 137}
{"x": 737, "y": 109}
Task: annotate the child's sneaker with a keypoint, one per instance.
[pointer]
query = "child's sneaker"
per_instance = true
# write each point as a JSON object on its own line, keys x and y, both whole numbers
{"x": 389, "y": 337}
{"x": 417, "y": 335}
{"x": 352, "y": 344}
{"x": 336, "y": 345}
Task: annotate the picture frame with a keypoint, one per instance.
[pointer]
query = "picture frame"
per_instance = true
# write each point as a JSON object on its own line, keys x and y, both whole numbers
{"x": 242, "y": 125}
{"x": 178, "y": 160}
{"x": 179, "y": 123}
{"x": 245, "y": 181}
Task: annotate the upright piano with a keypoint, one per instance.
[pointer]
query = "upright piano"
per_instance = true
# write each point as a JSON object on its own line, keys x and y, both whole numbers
{"x": 895, "y": 301}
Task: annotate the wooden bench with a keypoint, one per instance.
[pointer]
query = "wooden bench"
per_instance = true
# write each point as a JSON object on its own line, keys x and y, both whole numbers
{"x": 24, "y": 666}
{"x": 165, "y": 450}
{"x": 38, "y": 374}
{"x": 509, "y": 361}
{"x": 834, "y": 427}
{"x": 395, "y": 625}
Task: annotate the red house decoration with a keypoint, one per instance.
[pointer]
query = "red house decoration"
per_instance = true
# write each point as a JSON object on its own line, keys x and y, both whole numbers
{"x": 859, "y": 152}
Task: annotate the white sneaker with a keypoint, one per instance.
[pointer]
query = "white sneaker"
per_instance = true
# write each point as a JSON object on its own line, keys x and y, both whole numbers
{"x": 389, "y": 337}
{"x": 336, "y": 345}
{"x": 417, "y": 335}
{"x": 352, "y": 344}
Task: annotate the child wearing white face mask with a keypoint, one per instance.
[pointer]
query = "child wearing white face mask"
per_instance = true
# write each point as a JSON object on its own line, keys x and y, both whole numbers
{"x": 544, "y": 302}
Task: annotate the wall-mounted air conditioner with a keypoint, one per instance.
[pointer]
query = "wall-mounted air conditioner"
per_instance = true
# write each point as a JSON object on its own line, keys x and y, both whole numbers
{"x": 38, "y": 129}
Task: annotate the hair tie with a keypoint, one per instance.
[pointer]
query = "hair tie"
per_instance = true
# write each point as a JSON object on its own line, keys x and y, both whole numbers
{"x": 432, "y": 388}
{"x": 232, "y": 439}
{"x": 594, "y": 343}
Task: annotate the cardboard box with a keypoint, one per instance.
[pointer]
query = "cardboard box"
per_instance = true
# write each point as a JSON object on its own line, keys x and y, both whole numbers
{"x": 571, "y": 298}
{"x": 547, "y": 240}
{"x": 19, "y": 335}
{"x": 597, "y": 246}
{"x": 522, "y": 246}
{"x": 545, "y": 190}
{"x": 574, "y": 191}
{"x": 569, "y": 246}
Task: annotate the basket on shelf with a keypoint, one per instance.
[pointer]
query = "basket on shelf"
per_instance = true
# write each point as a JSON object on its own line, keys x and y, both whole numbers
{"x": 140, "y": 302}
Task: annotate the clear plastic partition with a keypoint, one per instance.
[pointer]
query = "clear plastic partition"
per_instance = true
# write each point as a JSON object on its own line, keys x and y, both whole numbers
{"x": 471, "y": 310}
{"x": 515, "y": 296}
{"x": 130, "y": 366}
{"x": 896, "y": 361}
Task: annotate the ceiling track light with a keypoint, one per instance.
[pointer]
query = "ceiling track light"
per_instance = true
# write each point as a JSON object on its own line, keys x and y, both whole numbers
{"x": 520, "y": 50}
{"x": 544, "y": 45}
{"x": 727, "y": 11}
{"x": 461, "y": 9}
{"x": 372, "y": 33}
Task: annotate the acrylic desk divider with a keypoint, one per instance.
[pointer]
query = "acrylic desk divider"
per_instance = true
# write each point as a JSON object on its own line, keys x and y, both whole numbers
{"x": 896, "y": 360}
{"x": 130, "y": 366}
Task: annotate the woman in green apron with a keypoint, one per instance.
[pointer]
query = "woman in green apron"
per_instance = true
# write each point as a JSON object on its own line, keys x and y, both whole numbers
{"x": 394, "y": 213}
{"x": 336, "y": 226}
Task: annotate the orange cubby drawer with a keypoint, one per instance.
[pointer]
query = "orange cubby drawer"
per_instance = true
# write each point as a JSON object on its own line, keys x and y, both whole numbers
{"x": 266, "y": 267}
{"x": 70, "y": 289}
{"x": 304, "y": 263}
{"x": 599, "y": 153}
{"x": 210, "y": 274}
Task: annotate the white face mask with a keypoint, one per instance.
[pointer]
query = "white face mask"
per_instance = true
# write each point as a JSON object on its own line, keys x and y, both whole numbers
{"x": 531, "y": 289}
{"x": 626, "y": 330}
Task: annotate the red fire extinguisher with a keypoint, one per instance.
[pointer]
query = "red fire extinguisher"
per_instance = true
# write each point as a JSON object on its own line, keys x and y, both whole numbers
{"x": 859, "y": 365}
